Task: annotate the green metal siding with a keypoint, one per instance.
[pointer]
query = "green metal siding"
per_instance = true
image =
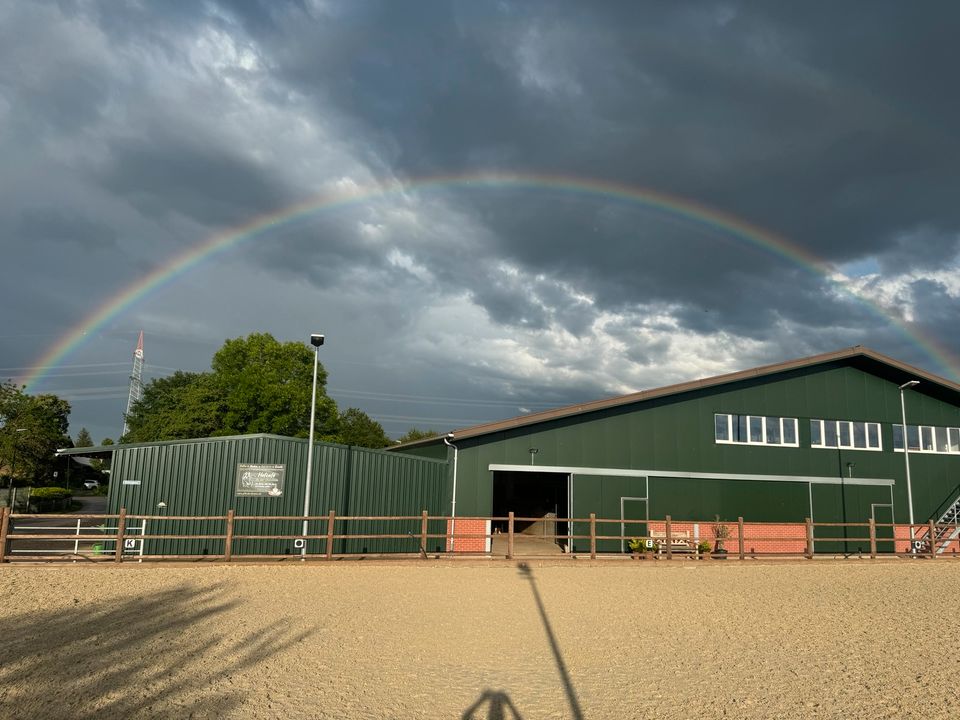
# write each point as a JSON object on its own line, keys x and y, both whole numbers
{"x": 676, "y": 433}
{"x": 196, "y": 478}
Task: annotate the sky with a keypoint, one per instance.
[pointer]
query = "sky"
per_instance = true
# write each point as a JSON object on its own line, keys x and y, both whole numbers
{"x": 510, "y": 206}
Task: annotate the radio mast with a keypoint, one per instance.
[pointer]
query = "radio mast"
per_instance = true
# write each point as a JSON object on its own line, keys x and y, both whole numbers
{"x": 136, "y": 381}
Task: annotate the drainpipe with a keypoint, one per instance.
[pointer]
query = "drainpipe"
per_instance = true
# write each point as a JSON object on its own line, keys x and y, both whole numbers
{"x": 453, "y": 502}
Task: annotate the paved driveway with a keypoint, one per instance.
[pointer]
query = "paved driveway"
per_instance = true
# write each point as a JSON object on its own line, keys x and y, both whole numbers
{"x": 89, "y": 505}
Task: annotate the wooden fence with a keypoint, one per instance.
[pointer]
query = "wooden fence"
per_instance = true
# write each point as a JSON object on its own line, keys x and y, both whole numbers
{"x": 737, "y": 539}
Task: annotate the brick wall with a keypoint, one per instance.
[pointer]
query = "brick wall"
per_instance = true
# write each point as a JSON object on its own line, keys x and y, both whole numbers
{"x": 469, "y": 526}
{"x": 779, "y": 538}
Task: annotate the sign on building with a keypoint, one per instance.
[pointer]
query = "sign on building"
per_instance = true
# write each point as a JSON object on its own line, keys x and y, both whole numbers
{"x": 260, "y": 480}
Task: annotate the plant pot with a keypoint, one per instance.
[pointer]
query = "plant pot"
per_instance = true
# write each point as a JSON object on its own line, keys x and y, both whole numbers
{"x": 720, "y": 554}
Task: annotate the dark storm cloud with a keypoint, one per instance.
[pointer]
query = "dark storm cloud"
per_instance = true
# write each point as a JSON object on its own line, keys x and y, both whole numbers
{"x": 209, "y": 183}
{"x": 829, "y": 131}
{"x": 132, "y": 130}
{"x": 58, "y": 225}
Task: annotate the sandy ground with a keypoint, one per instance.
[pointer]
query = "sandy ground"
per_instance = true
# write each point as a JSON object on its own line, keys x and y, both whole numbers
{"x": 482, "y": 640}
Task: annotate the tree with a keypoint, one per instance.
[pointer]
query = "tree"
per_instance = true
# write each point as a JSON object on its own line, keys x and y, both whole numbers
{"x": 256, "y": 385}
{"x": 184, "y": 405}
{"x": 358, "y": 428}
{"x": 414, "y": 434}
{"x": 32, "y": 428}
{"x": 83, "y": 439}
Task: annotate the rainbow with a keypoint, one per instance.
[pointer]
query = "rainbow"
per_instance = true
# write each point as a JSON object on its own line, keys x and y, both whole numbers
{"x": 675, "y": 206}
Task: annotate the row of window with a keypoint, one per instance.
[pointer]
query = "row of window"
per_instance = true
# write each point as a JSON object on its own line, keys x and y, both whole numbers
{"x": 844, "y": 434}
{"x": 756, "y": 430}
{"x": 927, "y": 439}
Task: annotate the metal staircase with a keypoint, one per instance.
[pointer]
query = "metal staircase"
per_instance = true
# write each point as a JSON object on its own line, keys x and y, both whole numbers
{"x": 947, "y": 528}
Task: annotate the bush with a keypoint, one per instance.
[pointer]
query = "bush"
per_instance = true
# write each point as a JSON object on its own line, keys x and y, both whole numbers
{"x": 50, "y": 493}
{"x": 47, "y": 499}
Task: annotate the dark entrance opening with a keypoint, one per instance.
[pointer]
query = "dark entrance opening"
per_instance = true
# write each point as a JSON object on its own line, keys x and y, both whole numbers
{"x": 541, "y": 496}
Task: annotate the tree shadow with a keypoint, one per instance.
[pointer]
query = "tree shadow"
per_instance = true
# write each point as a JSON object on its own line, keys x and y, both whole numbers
{"x": 167, "y": 655}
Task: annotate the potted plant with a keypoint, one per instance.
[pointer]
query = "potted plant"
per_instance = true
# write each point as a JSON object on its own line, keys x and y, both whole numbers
{"x": 703, "y": 549}
{"x": 720, "y": 534}
{"x": 642, "y": 548}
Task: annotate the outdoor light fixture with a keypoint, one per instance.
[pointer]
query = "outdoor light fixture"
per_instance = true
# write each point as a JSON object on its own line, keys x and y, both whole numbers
{"x": 533, "y": 451}
{"x": 316, "y": 340}
{"x": 453, "y": 503}
{"x": 906, "y": 449}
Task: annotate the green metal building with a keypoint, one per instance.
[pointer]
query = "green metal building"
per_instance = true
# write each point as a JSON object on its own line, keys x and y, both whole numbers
{"x": 818, "y": 437}
{"x": 265, "y": 476}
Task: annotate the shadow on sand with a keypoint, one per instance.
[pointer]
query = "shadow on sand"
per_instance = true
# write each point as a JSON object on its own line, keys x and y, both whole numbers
{"x": 166, "y": 655}
{"x": 498, "y": 703}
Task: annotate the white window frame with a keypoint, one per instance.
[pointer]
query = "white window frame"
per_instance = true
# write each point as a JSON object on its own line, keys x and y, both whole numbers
{"x": 932, "y": 429}
{"x": 763, "y": 431}
{"x": 850, "y": 446}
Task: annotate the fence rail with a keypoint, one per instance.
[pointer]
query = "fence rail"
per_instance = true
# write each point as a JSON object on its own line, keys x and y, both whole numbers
{"x": 126, "y": 537}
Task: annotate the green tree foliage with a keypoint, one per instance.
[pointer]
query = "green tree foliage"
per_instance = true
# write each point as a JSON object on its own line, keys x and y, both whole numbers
{"x": 83, "y": 439}
{"x": 414, "y": 434}
{"x": 184, "y": 405}
{"x": 32, "y": 428}
{"x": 256, "y": 385}
{"x": 358, "y": 428}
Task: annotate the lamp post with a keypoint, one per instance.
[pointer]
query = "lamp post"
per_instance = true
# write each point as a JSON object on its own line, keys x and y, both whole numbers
{"x": 906, "y": 449}
{"x": 13, "y": 466}
{"x": 315, "y": 340}
{"x": 453, "y": 502}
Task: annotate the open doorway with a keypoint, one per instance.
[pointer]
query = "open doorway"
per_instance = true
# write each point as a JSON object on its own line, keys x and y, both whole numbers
{"x": 541, "y": 496}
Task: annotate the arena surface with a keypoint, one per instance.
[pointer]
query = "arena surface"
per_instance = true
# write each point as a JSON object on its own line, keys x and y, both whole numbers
{"x": 567, "y": 639}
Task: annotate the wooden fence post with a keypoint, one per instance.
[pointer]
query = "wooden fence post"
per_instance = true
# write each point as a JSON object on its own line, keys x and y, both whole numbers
{"x": 593, "y": 536}
{"x": 121, "y": 531}
{"x": 4, "y": 529}
{"x": 740, "y": 537}
{"x": 669, "y": 538}
{"x": 873, "y": 539}
{"x": 933, "y": 540}
{"x": 423, "y": 534}
{"x": 809, "y": 524}
{"x": 228, "y": 540}
{"x": 331, "y": 519}
{"x": 510, "y": 535}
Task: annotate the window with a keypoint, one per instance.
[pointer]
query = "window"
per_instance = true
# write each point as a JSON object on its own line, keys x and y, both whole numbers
{"x": 928, "y": 439}
{"x": 722, "y": 423}
{"x": 789, "y": 431}
{"x": 816, "y": 432}
{"x": 755, "y": 430}
{"x": 846, "y": 434}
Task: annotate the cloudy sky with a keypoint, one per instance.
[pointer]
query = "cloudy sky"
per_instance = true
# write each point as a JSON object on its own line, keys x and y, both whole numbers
{"x": 131, "y": 132}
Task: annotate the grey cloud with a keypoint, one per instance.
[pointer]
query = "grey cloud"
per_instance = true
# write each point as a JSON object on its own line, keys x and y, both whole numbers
{"x": 53, "y": 224}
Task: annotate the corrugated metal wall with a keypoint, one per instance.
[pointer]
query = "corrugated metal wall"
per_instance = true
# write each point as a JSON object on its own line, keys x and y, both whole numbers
{"x": 198, "y": 477}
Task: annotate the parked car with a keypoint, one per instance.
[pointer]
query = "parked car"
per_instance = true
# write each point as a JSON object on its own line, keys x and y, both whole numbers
{"x": 91, "y": 484}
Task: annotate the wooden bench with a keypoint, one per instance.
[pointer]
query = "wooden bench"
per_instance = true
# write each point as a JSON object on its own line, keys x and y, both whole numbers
{"x": 681, "y": 541}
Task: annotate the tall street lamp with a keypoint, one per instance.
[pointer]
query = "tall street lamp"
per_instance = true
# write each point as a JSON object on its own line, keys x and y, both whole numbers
{"x": 315, "y": 340}
{"x": 906, "y": 449}
{"x": 13, "y": 466}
